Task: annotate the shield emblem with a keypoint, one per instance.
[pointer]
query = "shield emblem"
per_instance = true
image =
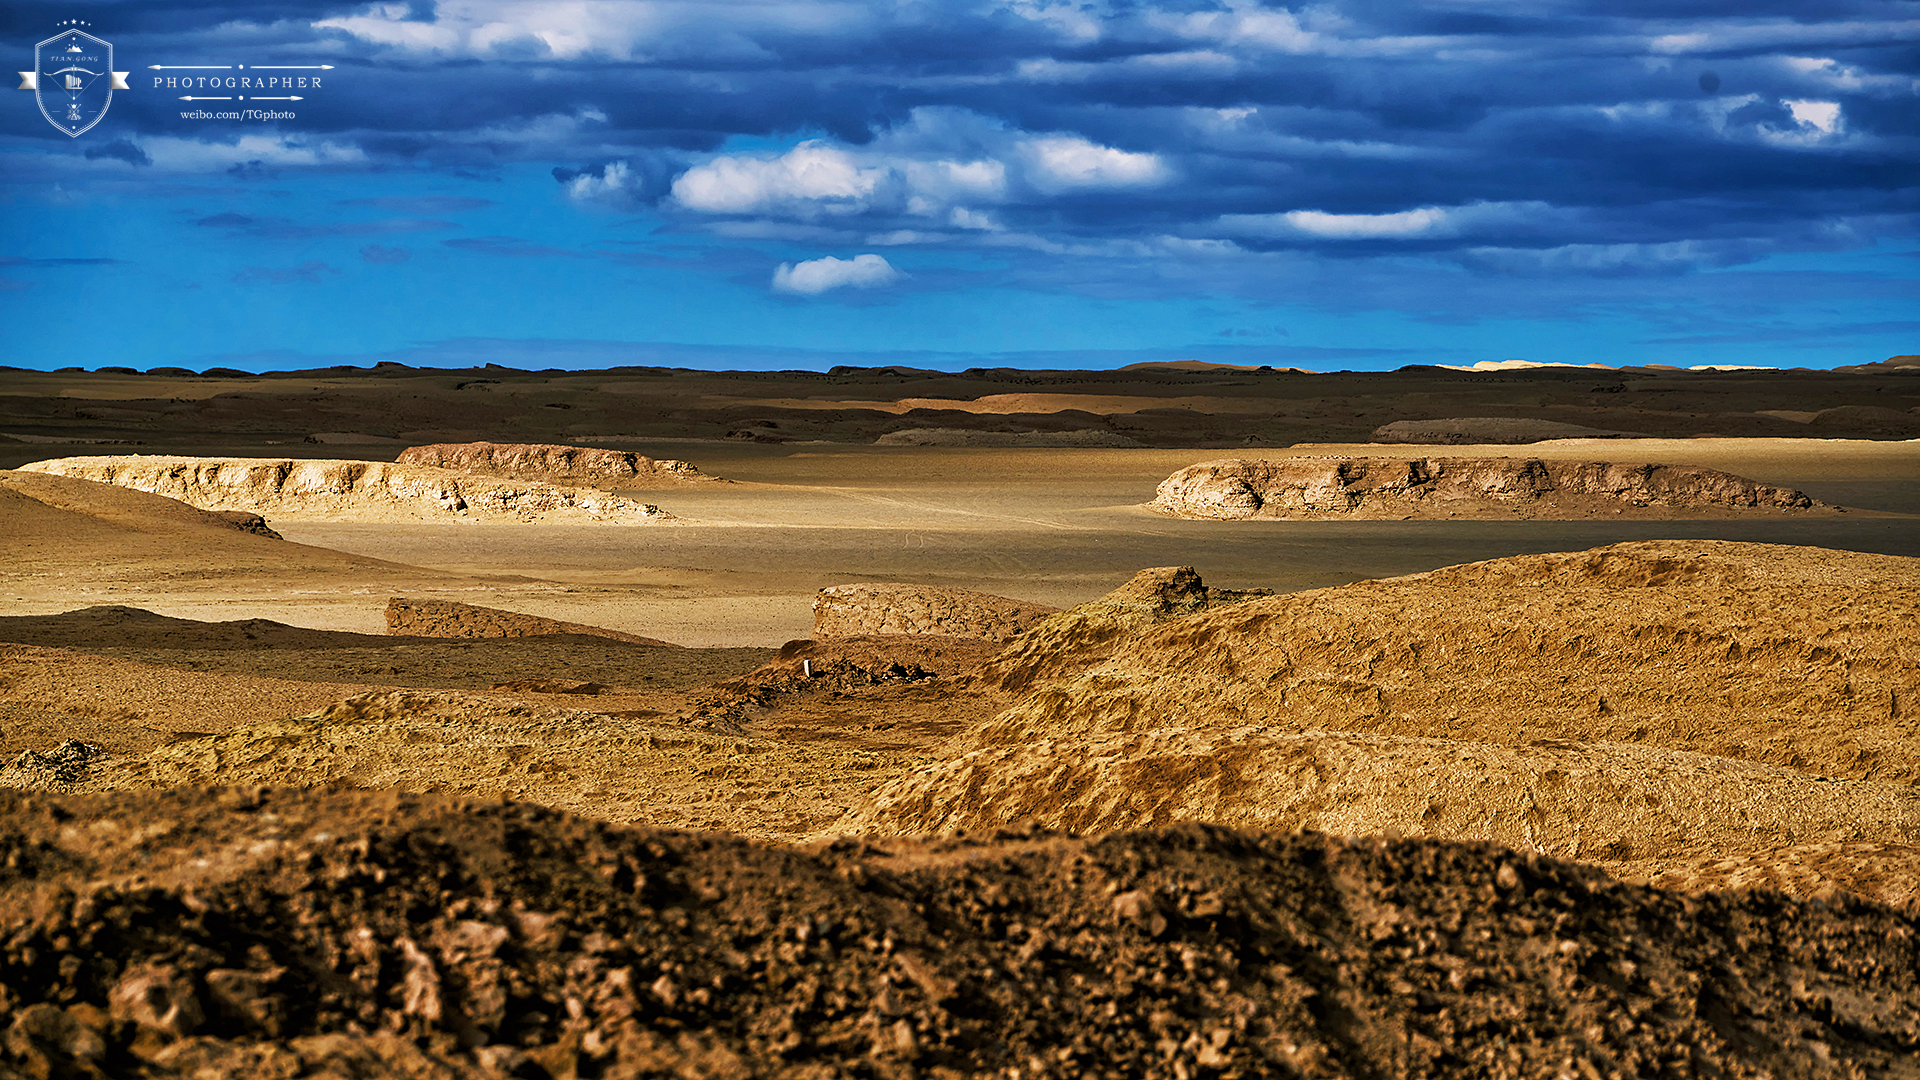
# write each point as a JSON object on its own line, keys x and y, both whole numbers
{"x": 74, "y": 80}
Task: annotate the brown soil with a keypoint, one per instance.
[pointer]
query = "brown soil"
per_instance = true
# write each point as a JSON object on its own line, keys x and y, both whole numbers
{"x": 551, "y": 464}
{"x": 451, "y": 619}
{"x": 275, "y": 933}
{"x": 1308, "y": 488}
{"x": 332, "y": 490}
{"x": 895, "y": 608}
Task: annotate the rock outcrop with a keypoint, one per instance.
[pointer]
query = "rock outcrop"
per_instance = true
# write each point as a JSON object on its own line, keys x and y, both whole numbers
{"x": 1483, "y": 430}
{"x": 338, "y": 490}
{"x": 894, "y": 608}
{"x": 576, "y": 465}
{"x": 1087, "y": 634}
{"x": 452, "y": 619}
{"x": 1316, "y": 487}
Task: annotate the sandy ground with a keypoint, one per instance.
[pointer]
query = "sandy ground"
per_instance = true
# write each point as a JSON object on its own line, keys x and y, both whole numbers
{"x": 1053, "y": 526}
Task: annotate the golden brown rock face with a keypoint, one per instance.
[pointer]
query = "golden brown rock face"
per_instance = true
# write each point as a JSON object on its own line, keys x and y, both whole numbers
{"x": 452, "y": 619}
{"x": 339, "y": 490}
{"x": 895, "y": 608}
{"x": 553, "y": 464}
{"x": 1305, "y": 487}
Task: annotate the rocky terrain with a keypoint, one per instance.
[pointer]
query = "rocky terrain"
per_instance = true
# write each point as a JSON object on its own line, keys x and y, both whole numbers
{"x": 452, "y": 619}
{"x": 564, "y": 465}
{"x": 1609, "y": 794}
{"x": 896, "y": 608}
{"x": 1310, "y": 487}
{"x": 1197, "y": 405}
{"x": 336, "y": 490}
{"x": 1687, "y": 712}
{"x": 1459, "y": 430}
{"x": 364, "y": 934}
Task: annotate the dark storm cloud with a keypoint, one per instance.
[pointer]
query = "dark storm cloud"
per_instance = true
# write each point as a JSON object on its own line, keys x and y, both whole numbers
{"x": 1541, "y": 139}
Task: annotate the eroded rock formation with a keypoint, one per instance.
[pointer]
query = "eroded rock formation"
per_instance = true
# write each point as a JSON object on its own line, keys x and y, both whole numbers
{"x": 338, "y": 490}
{"x": 895, "y": 608}
{"x": 1316, "y": 487}
{"x": 452, "y": 619}
{"x": 587, "y": 465}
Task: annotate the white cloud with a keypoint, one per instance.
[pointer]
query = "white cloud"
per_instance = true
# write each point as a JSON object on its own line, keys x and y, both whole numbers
{"x": 1068, "y": 161}
{"x": 1421, "y": 221}
{"x": 815, "y": 276}
{"x": 570, "y": 29}
{"x": 191, "y": 155}
{"x": 942, "y": 166}
{"x": 1823, "y": 116}
{"x": 612, "y": 184}
{"x": 811, "y": 178}
{"x": 1833, "y": 75}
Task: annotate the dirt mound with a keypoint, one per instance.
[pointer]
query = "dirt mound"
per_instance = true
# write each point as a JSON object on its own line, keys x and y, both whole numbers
{"x": 1083, "y": 636}
{"x": 1083, "y": 437}
{"x": 1619, "y": 805}
{"x": 334, "y": 490}
{"x": 1801, "y": 657}
{"x": 359, "y": 934}
{"x": 452, "y": 619}
{"x": 894, "y": 608}
{"x": 1303, "y": 487}
{"x": 1488, "y": 430}
{"x": 581, "y": 465}
{"x": 130, "y": 627}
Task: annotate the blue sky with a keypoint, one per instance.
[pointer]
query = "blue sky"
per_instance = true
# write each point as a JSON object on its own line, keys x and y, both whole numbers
{"x": 1350, "y": 185}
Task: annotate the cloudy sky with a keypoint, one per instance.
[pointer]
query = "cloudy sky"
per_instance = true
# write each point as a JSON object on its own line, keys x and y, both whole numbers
{"x": 798, "y": 183}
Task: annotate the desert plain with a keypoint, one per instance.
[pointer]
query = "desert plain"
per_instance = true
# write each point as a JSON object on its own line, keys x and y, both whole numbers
{"x": 1180, "y": 720}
